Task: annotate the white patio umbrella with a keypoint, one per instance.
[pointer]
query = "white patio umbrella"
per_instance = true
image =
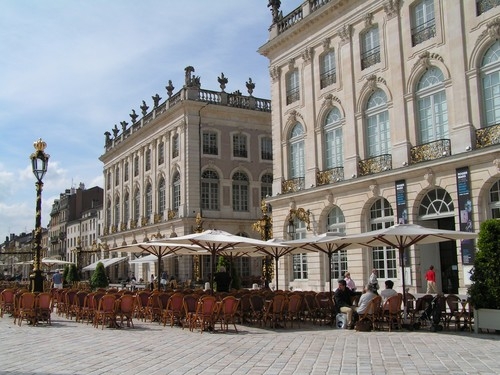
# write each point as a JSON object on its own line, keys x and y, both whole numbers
{"x": 105, "y": 262}
{"x": 326, "y": 243}
{"x": 401, "y": 236}
{"x": 49, "y": 262}
{"x": 160, "y": 249}
{"x": 218, "y": 242}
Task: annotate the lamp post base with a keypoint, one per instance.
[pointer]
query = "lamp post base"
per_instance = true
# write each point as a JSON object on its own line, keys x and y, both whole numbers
{"x": 36, "y": 281}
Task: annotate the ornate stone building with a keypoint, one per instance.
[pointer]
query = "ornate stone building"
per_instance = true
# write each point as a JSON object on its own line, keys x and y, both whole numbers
{"x": 385, "y": 111}
{"x": 198, "y": 153}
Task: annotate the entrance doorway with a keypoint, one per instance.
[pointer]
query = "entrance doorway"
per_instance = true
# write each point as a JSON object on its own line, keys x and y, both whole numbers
{"x": 448, "y": 258}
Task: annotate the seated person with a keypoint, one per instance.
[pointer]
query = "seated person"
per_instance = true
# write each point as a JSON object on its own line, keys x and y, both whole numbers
{"x": 342, "y": 298}
{"x": 173, "y": 282}
{"x": 365, "y": 299}
{"x": 388, "y": 291}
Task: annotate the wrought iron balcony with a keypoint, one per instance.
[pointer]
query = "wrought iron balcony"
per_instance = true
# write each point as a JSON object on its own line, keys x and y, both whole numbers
{"x": 292, "y": 95}
{"x": 488, "y": 136}
{"x": 485, "y": 5}
{"x": 328, "y": 78}
{"x": 430, "y": 151}
{"x": 423, "y": 32}
{"x": 370, "y": 58}
{"x": 376, "y": 164}
{"x": 330, "y": 176}
{"x": 292, "y": 185}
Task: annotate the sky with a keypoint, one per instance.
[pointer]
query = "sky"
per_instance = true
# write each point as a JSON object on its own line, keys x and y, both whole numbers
{"x": 72, "y": 69}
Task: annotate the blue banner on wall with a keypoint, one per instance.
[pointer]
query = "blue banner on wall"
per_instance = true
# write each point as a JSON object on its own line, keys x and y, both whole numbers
{"x": 465, "y": 210}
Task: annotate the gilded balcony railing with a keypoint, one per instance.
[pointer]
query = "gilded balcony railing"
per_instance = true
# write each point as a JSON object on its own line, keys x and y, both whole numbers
{"x": 430, "y": 151}
{"x": 488, "y": 136}
{"x": 330, "y": 176}
{"x": 485, "y": 5}
{"x": 376, "y": 164}
{"x": 292, "y": 185}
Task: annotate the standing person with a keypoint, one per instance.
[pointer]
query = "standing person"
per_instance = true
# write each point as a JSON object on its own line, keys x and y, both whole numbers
{"x": 342, "y": 298}
{"x": 373, "y": 279}
{"x": 164, "y": 278}
{"x": 57, "y": 280}
{"x": 152, "y": 285}
{"x": 349, "y": 282}
{"x": 430, "y": 276}
{"x": 222, "y": 279}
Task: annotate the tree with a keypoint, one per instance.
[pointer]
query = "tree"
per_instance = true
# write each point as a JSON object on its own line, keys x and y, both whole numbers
{"x": 72, "y": 275}
{"x": 65, "y": 274}
{"x": 485, "y": 289}
{"x": 99, "y": 278}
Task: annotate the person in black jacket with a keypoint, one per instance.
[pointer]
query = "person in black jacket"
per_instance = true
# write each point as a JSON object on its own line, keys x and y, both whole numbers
{"x": 343, "y": 296}
{"x": 222, "y": 280}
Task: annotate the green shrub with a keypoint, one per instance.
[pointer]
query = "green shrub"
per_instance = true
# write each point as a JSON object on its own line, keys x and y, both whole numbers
{"x": 485, "y": 289}
{"x": 72, "y": 275}
{"x": 99, "y": 278}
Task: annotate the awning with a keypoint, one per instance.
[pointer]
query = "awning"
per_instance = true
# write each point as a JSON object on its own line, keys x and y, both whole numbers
{"x": 106, "y": 263}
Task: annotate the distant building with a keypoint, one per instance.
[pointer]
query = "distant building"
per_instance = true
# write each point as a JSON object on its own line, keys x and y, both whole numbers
{"x": 384, "y": 112}
{"x": 197, "y": 153}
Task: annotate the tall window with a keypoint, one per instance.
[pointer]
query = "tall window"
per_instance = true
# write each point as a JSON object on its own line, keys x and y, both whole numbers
{"x": 126, "y": 208}
{"x": 334, "y": 155}
{"x": 149, "y": 201}
{"x": 292, "y": 87}
{"x": 490, "y": 72}
{"x": 384, "y": 258}
{"x": 209, "y": 190}
{"x": 136, "y": 166}
{"x": 161, "y": 153}
{"x": 175, "y": 145}
{"x": 299, "y": 261}
{"x": 240, "y": 191}
{"x": 266, "y": 148}
{"x": 423, "y": 22}
{"x": 296, "y": 149}
{"x": 432, "y": 107}
{"x": 210, "y": 143}
{"x": 161, "y": 196}
{"x": 148, "y": 159}
{"x": 137, "y": 204}
{"x": 328, "y": 70}
{"x": 117, "y": 176}
{"x": 336, "y": 224}
{"x": 378, "y": 131}
{"x": 125, "y": 171}
{"x": 266, "y": 186}
{"x": 108, "y": 214}
{"x": 240, "y": 146}
{"x": 495, "y": 200}
{"x": 370, "y": 48}
{"x": 176, "y": 191}
{"x": 116, "y": 220}
{"x": 108, "y": 181}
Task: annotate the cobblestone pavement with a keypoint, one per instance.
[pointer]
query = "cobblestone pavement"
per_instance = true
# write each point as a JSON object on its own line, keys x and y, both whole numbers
{"x": 68, "y": 347}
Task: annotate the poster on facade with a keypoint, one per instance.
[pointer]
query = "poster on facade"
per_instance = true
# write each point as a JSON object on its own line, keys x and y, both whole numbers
{"x": 402, "y": 213}
{"x": 465, "y": 213}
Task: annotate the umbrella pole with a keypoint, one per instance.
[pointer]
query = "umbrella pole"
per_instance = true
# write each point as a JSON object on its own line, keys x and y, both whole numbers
{"x": 276, "y": 271}
{"x": 330, "y": 285}
{"x": 158, "y": 275}
{"x": 401, "y": 261}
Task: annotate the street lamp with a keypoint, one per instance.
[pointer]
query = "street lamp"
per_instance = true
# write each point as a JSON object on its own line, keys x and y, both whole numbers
{"x": 265, "y": 227}
{"x": 39, "y": 163}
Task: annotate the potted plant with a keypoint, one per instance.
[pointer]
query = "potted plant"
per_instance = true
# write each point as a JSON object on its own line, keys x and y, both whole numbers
{"x": 485, "y": 289}
{"x": 99, "y": 278}
{"x": 72, "y": 275}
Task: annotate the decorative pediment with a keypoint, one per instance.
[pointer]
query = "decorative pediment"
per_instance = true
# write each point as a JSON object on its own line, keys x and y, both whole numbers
{"x": 425, "y": 59}
{"x": 373, "y": 81}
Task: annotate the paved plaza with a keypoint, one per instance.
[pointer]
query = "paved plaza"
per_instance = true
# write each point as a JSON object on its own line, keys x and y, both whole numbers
{"x": 68, "y": 347}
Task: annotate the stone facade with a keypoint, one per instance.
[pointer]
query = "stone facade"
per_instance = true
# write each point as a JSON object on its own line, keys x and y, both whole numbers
{"x": 199, "y": 152}
{"x": 371, "y": 94}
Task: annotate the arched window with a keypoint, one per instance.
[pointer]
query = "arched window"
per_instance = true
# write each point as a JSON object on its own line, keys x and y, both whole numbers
{"x": 384, "y": 258}
{"x": 296, "y": 152}
{"x": 336, "y": 224}
{"x": 495, "y": 200}
{"x": 266, "y": 186}
{"x": 436, "y": 202}
{"x": 137, "y": 204}
{"x": 334, "y": 155}
{"x": 209, "y": 190}
{"x": 432, "y": 109}
{"x": 126, "y": 208}
{"x": 378, "y": 131}
{"x": 176, "y": 191}
{"x": 161, "y": 196}
{"x": 490, "y": 72}
{"x": 116, "y": 220}
{"x": 240, "y": 191}
{"x": 149, "y": 201}
{"x": 328, "y": 71}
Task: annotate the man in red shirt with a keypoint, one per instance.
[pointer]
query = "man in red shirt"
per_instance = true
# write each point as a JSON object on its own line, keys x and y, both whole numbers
{"x": 430, "y": 276}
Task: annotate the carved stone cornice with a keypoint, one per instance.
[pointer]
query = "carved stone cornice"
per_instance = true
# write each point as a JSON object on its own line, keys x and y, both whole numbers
{"x": 391, "y": 8}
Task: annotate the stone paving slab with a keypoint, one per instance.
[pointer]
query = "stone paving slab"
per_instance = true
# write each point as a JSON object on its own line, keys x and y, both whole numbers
{"x": 68, "y": 347}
